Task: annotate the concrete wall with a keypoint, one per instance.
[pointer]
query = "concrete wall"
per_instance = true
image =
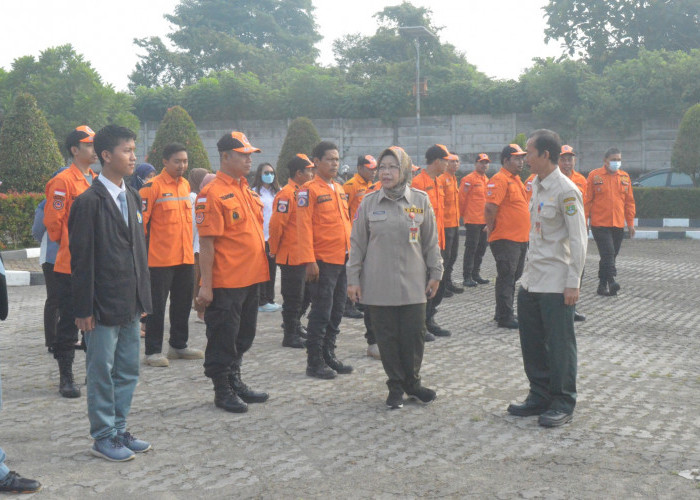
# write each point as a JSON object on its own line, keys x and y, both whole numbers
{"x": 644, "y": 150}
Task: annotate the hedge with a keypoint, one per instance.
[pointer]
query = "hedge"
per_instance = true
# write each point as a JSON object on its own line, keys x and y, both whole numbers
{"x": 659, "y": 203}
{"x": 16, "y": 218}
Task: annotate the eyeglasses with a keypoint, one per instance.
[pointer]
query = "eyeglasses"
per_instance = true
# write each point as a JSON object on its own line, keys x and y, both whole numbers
{"x": 383, "y": 168}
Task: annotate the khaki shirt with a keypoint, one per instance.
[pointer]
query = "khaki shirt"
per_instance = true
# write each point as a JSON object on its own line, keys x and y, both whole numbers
{"x": 394, "y": 248}
{"x": 558, "y": 236}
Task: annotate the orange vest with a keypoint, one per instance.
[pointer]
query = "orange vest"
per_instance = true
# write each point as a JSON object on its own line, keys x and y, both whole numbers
{"x": 423, "y": 182}
{"x": 472, "y": 198}
{"x": 609, "y": 201}
{"x": 323, "y": 222}
{"x": 61, "y": 192}
{"x": 507, "y": 191}
{"x": 451, "y": 193}
{"x": 230, "y": 212}
{"x": 167, "y": 219}
{"x": 283, "y": 240}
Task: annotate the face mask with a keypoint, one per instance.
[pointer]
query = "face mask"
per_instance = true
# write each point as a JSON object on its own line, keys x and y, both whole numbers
{"x": 615, "y": 166}
{"x": 268, "y": 178}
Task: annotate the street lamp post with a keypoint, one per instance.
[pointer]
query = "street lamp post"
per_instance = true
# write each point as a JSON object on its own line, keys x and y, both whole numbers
{"x": 417, "y": 32}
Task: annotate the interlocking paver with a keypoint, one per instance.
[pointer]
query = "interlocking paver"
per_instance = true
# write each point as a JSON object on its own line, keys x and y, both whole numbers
{"x": 636, "y": 422}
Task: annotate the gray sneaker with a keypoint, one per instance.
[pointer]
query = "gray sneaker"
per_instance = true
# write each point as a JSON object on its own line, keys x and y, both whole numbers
{"x": 157, "y": 359}
{"x": 111, "y": 449}
{"x": 185, "y": 353}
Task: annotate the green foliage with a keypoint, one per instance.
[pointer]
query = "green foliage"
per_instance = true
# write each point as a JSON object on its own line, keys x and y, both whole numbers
{"x": 29, "y": 153}
{"x": 259, "y": 36}
{"x": 686, "y": 149}
{"x": 301, "y": 137}
{"x": 604, "y": 32}
{"x": 16, "y": 216}
{"x": 177, "y": 126}
{"x": 659, "y": 203}
{"x": 68, "y": 91}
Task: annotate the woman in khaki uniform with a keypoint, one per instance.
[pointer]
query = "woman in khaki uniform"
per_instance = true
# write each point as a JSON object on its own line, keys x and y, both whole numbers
{"x": 394, "y": 267}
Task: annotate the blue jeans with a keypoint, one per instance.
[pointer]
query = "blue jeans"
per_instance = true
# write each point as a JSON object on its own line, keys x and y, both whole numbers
{"x": 112, "y": 366}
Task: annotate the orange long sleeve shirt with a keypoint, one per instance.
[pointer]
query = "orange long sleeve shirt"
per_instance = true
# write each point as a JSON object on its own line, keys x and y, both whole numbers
{"x": 472, "y": 198}
{"x": 451, "y": 193}
{"x": 284, "y": 237}
{"x": 355, "y": 188}
{"x": 507, "y": 191}
{"x": 423, "y": 182}
{"x": 580, "y": 182}
{"x": 323, "y": 222}
{"x": 609, "y": 200}
{"x": 61, "y": 192}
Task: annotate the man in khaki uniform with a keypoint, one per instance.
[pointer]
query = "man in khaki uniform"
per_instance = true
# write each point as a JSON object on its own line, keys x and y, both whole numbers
{"x": 549, "y": 287}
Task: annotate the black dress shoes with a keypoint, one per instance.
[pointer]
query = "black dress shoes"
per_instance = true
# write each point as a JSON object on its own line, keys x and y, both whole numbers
{"x": 527, "y": 408}
{"x": 614, "y": 287}
{"x": 469, "y": 282}
{"x": 480, "y": 280}
{"x": 454, "y": 288}
{"x": 512, "y": 324}
{"x": 555, "y": 418}
{"x": 437, "y": 330}
{"x": 579, "y": 317}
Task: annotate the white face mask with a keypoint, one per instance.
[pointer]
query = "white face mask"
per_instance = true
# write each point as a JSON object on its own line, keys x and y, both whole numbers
{"x": 615, "y": 166}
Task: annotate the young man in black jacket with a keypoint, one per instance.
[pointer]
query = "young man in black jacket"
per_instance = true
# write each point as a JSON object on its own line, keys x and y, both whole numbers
{"x": 111, "y": 288}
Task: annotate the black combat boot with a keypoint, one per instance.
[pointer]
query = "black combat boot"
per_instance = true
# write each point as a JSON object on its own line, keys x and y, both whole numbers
{"x": 613, "y": 286}
{"x": 66, "y": 385}
{"x": 291, "y": 337}
{"x": 316, "y": 366}
{"x": 603, "y": 288}
{"x": 239, "y": 387}
{"x": 225, "y": 398}
{"x": 331, "y": 360}
{"x": 301, "y": 331}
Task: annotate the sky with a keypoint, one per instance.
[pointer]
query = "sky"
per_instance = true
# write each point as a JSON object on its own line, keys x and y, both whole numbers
{"x": 500, "y": 37}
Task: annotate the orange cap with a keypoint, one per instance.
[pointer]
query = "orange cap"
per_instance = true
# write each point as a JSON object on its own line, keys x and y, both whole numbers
{"x": 482, "y": 157}
{"x": 87, "y": 131}
{"x": 452, "y": 157}
{"x": 309, "y": 163}
{"x": 567, "y": 150}
{"x": 238, "y": 142}
{"x": 414, "y": 168}
{"x": 517, "y": 150}
{"x": 368, "y": 161}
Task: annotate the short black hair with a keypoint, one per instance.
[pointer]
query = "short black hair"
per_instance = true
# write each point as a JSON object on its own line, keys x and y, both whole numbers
{"x": 73, "y": 140}
{"x": 296, "y": 164}
{"x": 322, "y": 147}
{"x": 171, "y": 149}
{"x": 547, "y": 140}
{"x": 435, "y": 152}
{"x": 612, "y": 151}
{"x": 109, "y": 137}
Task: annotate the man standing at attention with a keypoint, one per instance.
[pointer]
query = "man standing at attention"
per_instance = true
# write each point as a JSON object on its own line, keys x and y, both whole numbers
{"x": 167, "y": 217}
{"x": 110, "y": 291}
{"x": 427, "y": 181}
{"x": 324, "y": 238}
{"x": 472, "y": 200}
{"x": 609, "y": 204}
{"x": 61, "y": 192}
{"x": 508, "y": 223}
{"x": 233, "y": 262}
{"x": 550, "y": 286}
{"x": 450, "y": 190}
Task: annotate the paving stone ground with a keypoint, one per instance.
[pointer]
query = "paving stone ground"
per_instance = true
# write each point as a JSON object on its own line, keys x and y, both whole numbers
{"x": 637, "y": 422}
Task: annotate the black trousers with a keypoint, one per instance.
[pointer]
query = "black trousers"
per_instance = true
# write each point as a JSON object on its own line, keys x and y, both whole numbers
{"x": 178, "y": 282}
{"x": 474, "y": 249}
{"x": 510, "y": 261}
{"x": 449, "y": 254}
{"x": 66, "y": 332}
{"x": 231, "y": 321}
{"x": 369, "y": 332}
{"x": 296, "y": 296}
{"x": 608, "y": 240}
{"x": 548, "y": 344}
{"x": 401, "y": 341}
{"x": 267, "y": 289}
{"x": 327, "y": 305}
{"x": 51, "y": 305}
{"x": 431, "y": 304}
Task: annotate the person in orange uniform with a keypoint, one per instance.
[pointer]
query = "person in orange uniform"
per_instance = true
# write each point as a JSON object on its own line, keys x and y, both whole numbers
{"x": 450, "y": 216}
{"x": 427, "y": 180}
{"x": 508, "y": 223}
{"x": 283, "y": 246}
{"x": 609, "y": 204}
{"x": 167, "y": 219}
{"x": 323, "y": 220}
{"x": 567, "y": 162}
{"x": 472, "y": 199}
{"x": 355, "y": 188}
{"x": 233, "y": 263}
{"x": 61, "y": 192}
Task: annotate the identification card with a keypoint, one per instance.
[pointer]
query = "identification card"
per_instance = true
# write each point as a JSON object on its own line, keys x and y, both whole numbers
{"x": 413, "y": 235}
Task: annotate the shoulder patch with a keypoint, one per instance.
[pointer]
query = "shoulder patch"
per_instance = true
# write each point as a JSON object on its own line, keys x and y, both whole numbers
{"x": 570, "y": 209}
{"x": 566, "y": 200}
{"x": 283, "y": 206}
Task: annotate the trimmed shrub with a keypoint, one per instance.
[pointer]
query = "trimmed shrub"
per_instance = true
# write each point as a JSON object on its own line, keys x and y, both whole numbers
{"x": 177, "y": 126}
{"x": 29, "y": 153}
{"x": 659, "y": 203}
{"x": 686, "y": 149}
{"x": 301, "y": 138}
{"x": 16, "y": 217}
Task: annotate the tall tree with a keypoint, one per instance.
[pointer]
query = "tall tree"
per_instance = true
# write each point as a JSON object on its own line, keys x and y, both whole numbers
{"x": 260, "y": 36}
{"x": 686, "y": 149}
{"x": 603, "y": 31}
{"x": 68, "y": 90}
